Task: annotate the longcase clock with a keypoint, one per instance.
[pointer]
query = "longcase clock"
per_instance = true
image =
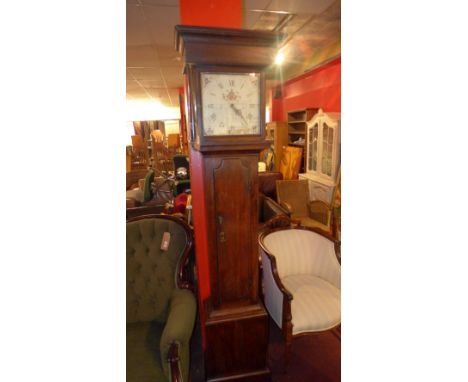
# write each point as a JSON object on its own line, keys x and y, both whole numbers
{"x": 225, "y": 93}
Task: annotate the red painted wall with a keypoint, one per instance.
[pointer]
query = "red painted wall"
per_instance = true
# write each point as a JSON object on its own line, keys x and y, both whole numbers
{"x": 321, "y": 87}
{"x": 211, "y": 13}
{"x": 201, "y": 237}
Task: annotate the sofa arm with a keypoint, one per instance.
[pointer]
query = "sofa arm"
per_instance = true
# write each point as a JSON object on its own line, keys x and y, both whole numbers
{"x": 178, "y": 329}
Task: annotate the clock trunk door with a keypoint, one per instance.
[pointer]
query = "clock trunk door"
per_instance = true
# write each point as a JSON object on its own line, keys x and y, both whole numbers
{"x": 234, "y": 187}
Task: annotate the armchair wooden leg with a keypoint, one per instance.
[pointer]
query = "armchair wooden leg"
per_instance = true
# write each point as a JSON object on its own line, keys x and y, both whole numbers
{"x": 288, "y": 345}
{"x": 173, "y": 359}
{"x": 287, "y": 330}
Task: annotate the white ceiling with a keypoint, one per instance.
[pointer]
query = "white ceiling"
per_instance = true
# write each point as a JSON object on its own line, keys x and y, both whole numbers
{"x": 154, "y": 68}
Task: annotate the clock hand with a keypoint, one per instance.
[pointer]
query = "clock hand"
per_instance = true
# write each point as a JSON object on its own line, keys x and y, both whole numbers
{"x": 236, "y": 110}
{"x": 239, "y": 113}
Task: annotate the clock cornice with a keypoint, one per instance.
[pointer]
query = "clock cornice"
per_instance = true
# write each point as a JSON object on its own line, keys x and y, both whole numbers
{"x": 218, "y": 46}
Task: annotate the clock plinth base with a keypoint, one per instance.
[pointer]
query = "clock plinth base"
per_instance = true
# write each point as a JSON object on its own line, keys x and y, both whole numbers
{"x": 237, "y": 344}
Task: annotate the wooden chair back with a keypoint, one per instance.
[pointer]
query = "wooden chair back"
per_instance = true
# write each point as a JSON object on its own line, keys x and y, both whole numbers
{"x": 295, "y": 193}
{"x": 161, "y": 157}
{"x": 140, "y": 156}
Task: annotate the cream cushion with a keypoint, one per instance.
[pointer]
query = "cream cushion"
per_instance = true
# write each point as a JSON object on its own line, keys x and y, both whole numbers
{"x": 316, "y": 303}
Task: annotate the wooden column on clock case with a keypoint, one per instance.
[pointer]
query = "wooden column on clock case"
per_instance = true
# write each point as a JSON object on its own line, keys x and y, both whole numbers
{"x": 235, "y": 321}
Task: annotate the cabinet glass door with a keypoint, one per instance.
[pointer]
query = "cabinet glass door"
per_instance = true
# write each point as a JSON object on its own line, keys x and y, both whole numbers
{"x": 313, "y": 145}
{"x": 327, "y": 149}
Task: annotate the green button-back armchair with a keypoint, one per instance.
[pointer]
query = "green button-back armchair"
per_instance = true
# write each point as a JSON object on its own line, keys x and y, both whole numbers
{"x": 160, "y": 305}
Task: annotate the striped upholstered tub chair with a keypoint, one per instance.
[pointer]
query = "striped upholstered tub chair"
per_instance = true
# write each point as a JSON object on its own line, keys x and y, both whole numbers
{"x": 301, "y": 281}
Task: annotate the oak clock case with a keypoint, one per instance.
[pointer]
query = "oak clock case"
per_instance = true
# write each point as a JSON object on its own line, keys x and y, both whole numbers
{"x": 225, "y": 86}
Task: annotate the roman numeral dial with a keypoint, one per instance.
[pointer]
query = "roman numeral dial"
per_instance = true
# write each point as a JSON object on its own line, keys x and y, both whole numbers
{"x": 230, "y": 103}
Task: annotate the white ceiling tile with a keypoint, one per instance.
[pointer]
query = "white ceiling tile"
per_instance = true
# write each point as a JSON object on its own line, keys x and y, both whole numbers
{"x": 144, "y": 55}
{"x": 137, "y": 31}
{"x": 268, "y": 21}
{"x": 167, "y": 51}
{"x": 153, "y": 64}
{"x": 300, "y": 6}
{"x": 174, "y": 96}
{"x": 173, "y": 69}
{"x": 250, "y": 18}
{"x": 153, "y": 74}
{"x": 161, "y": 22}
{"x": 138, "y": 93}
{"x": 167, "y": 3}
{"x": 295, "y": 23}
{"x": 256, "y": 4}
{"x": 174, "y": 82}
{"x": 152, "y": 84}
{"x": 132, "y": 85}
{"x": 157, "y": 93}
{"x": 173, "y": 75}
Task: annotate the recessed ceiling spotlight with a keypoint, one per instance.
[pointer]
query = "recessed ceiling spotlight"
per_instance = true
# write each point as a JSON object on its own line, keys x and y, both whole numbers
{"x": 279, "y": 58}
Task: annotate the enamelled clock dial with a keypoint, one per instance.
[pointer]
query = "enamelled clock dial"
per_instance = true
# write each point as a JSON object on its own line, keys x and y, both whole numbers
{"x": 230, "y": 103}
